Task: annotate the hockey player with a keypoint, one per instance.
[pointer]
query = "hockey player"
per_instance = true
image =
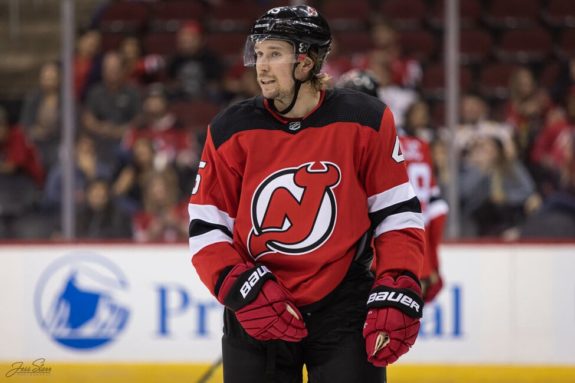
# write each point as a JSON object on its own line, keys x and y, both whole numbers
{"x": 294, "y": 190}
{"x": 419, "y": 164}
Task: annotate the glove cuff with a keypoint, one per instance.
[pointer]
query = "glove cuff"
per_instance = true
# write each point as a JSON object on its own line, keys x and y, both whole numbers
{"x": 245, "y": 286}
{"x": 398, "y": 294}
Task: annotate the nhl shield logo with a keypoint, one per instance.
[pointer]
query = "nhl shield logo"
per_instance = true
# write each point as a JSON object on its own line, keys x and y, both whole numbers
{"x": 294, "y": 210}
{"x": 294, "y": 125}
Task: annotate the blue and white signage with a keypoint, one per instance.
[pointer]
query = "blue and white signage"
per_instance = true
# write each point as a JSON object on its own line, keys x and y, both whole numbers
{"x": 81, "y": 301}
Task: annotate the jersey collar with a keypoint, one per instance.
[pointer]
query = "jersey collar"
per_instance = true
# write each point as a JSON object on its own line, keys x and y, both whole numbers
{"x": 292, "y": 123}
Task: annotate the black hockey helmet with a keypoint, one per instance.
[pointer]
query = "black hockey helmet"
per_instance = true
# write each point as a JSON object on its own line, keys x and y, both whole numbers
{"x": 301, "y": 25}
{"x": 359, "y": 80}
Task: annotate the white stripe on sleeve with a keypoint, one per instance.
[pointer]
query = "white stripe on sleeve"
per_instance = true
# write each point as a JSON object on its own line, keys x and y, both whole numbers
{"x": 400, "y": 221}
{"x": 400, "y": 193}
{"x": 211, "y": 214}
{"x": 197, "y": 243}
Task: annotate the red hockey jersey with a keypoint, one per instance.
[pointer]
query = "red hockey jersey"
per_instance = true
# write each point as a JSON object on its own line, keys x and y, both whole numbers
{"x": 433, "y": 208}
{"x": 300, "y": 195}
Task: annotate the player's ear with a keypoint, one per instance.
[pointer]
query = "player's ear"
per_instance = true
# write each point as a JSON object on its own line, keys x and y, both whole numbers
{"x": 305, "y": 67}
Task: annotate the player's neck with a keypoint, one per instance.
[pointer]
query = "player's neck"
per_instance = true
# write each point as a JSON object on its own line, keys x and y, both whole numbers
{"x": 307, "y": 99}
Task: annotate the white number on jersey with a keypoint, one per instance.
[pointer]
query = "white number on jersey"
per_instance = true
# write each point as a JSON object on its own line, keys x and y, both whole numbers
{"x": 397, "y": 155}
{"x": 201, "y": 165}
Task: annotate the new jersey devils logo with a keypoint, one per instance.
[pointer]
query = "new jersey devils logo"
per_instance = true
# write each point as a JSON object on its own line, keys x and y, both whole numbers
{"x": 294, "y": 210}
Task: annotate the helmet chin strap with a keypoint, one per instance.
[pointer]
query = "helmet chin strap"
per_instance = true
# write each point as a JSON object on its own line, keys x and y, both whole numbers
{"x": 295, "y": 93}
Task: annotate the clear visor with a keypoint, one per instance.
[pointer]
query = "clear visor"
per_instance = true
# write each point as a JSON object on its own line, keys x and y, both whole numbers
{"x": 268, "y": 47}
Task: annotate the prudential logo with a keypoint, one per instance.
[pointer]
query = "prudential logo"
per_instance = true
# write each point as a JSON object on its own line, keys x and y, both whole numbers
{"x": 79, "y": 301}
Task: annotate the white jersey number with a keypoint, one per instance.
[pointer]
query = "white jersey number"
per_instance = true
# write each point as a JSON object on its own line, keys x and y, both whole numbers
{"x": 397, "y": 155}
{"x": 201, "y": 165}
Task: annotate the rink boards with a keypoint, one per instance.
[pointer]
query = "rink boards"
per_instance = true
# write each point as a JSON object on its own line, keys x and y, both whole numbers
{"x": 128, "y": 312}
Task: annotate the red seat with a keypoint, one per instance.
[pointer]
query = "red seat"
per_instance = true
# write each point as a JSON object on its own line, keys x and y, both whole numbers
{"x": 494, "y": 80}
{"x": 475, "y": 46}
{"x": 419, "y": 44}
{"x": 438, "y": 113}
{"x": 345, "y": 15}
{"x": 550, "y": 74}
{"x": 404, "y": 14}
{"x": 513, "y": 13}
{"x": 229, "y": 45}
{"x": 433, "y": 83}
{"x": 560, "y": 13}
{"x": 469, "y": 12}
{"x": 161, "y": 43}
{"x": 196, "y": 115}
{"x": 525, "y": 46}
{"x": 111, "y": 41}
{"x": 168, "y": 16}
{"x": 566, "y": 45}
{"x": 235, "y": 16}
{"x": 353, "y": 42}
{"x": 122, "y": 17}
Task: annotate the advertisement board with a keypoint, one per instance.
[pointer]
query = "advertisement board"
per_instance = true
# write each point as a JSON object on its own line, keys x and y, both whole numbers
{"x": 504, "y": 305}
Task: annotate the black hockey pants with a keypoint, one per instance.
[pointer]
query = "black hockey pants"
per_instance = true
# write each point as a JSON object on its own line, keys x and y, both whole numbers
{"x": 333, "y": 351}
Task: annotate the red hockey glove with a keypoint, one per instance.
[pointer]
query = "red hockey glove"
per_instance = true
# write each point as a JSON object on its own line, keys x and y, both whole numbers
{"x": 392, "y": 324}
{"x": 263, "y": 307}
{"x": 431, "y": 286}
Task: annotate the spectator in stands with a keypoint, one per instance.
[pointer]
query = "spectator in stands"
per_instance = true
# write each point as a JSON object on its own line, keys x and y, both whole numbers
{"x": 99, "y": 217}
{"x": 565, "y": 81}
{"x": 496, "y": 191}
{"x": 549, "y": 155}
{"x": 88, "y": 167}
{"x": 398, "y": 98}
{"x": 40, "y": 117}
{"x": 418, "y": 121}
{"x": 129, "y": 179}
{"x": 194, "y": 70}
{"x": 110, "y": 108}
{"x": 473, "y": 109}
{"x": 556, "y": 218}
{"x": 141, "y": 69}
{"x": 173, "y": 144}
{"x": 475, "y": 121}
{"x": 240, "y": 83}
{"x": 526, "y": 110}
{"x": 87, "y": 62}
{"x": 404, "y": 71}
{"x": 21, "y": 175}
{"x": 165, "y": 216}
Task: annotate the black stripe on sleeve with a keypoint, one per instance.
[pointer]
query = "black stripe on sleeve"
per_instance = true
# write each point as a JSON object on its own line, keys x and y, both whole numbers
{"x": 199, "y": 227}
{"x": 221, "y": 278}
{"x": 411, "y": 205}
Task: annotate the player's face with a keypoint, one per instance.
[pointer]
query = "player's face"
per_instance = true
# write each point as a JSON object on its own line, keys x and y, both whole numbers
{"x": 274, "y": 66}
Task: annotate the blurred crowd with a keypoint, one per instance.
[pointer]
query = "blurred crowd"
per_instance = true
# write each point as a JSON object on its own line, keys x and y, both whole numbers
{"x": 142, "y": 117}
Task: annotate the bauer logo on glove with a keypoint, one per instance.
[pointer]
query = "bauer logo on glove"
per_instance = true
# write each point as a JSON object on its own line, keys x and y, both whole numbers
{"x": 392, "y": 324}
{"x": 408, "y": 300}
{"x": 264, "y": 308}
{"x": 253, "y": 279}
